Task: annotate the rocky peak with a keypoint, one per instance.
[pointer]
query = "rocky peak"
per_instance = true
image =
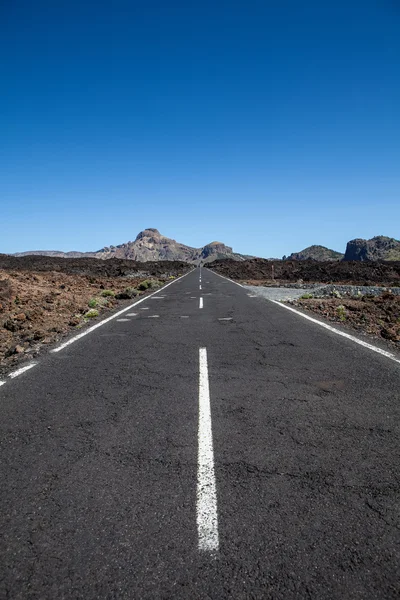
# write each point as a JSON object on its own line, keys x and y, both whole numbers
{"x": 215, "y": 248}
{"x": 148, "y": 233}
{"x": 377, "y": 248}
{"x": 320, "y": 253}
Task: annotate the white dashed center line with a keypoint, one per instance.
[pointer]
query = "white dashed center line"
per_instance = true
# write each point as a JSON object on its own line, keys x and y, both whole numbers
{"x": 122, "y": 320}
{"x": 201, "y": 303}
{"x": 153, "y": 316}
{"x": 207, "y": 515}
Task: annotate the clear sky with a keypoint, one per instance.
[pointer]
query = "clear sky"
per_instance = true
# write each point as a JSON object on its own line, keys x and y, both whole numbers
{"x": 268, "y": 125}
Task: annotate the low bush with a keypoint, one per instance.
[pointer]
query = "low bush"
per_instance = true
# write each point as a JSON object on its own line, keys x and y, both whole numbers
{"x": 91, "y": 314}
{"x": 106, "y": 293}
{"x": 92, "y": 303}
{"x": 127, "y": 294}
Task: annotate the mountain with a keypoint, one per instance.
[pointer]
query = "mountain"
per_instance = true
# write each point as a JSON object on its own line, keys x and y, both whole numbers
{"x": 151, "y": 245}
{"x": 320, "y": 253}
{"x": 377, "y": 248}
{"x": 56, "y": 253}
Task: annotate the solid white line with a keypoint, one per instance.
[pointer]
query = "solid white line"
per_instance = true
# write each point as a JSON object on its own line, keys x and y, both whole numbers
{"x": 227, "y": 278}
{"x": 117, "y": 314}
{"x": 201, "y": 303}
{"x": 2, "y": 383}
{"x": 207, "y": 515}
{"x": 342, "y": 333}
{"x": 21, "y": 370}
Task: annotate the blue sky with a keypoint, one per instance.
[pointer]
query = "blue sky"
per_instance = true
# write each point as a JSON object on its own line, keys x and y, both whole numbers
{"x": 268, "y": 125}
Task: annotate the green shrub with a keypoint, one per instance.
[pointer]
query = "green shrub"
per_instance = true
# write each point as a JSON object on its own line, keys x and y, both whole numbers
{"x": 341, "y": 312}
{"x": 106, "y": 293}
{"x": 127, "y": 294}
{"x": 92, "y": 303}
{"x": 306, "y": 296}
{"x": 91, "y": 314}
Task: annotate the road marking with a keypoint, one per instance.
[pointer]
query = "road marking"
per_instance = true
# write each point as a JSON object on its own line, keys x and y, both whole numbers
{"x": 199, "y": 287}
{"x": 132, "y": 315}
{"x": 207, "y": 515}
{"x": 147, "y": 308}
{"x": 193, "y": 297}
{"x": 117, "y": 314}
{"x": 201, "y": 303}
{"x": 342, "y": 333}
{"x": 184, "y": 316}
{"x": 225, "y": 319}
{"x": 2, "y": 383}
{"x": 22, "y": 370}
{"x": 120, "y": 320}
{"x": 227, "y": 278}
{"x": 153, "y": 316}
{"x": 158, "y": 298}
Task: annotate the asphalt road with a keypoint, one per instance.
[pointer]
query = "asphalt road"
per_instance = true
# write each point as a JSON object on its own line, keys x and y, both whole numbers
{"x": 185, "y": 456}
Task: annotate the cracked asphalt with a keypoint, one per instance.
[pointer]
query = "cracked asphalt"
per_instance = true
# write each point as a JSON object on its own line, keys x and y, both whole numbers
{"x": 99, "y": 458}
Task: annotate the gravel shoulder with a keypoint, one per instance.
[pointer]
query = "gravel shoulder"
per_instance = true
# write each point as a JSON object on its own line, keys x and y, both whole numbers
{"x": 368, "y": 310}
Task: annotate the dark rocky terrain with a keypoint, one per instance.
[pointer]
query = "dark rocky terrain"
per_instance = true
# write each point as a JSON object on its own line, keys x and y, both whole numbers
{"x": 273, "y": 272}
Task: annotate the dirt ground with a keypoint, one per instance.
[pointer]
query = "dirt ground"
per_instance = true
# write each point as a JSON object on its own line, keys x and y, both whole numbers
{"x": 269, "y": 272}
{"x": 38, "y": 307}
{"x": 376, "y": 315}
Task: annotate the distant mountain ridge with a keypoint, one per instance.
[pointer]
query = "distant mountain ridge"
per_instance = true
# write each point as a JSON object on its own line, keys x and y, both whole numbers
{"x": 320, "y": 253}
{"x": 151, "y": 245}
{"x": 378, "y": 248}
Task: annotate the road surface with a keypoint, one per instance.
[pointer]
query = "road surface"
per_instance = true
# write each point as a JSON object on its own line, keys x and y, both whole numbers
{"x": 203, "y": 444}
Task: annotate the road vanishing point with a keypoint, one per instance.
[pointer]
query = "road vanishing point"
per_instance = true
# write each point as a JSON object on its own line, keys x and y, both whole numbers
{"x": 201, "y": 443}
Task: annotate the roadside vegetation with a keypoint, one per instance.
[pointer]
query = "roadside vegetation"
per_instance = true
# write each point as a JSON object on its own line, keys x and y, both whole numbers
{"x": 377, "y": 315}
{"x": 37, "y": 308}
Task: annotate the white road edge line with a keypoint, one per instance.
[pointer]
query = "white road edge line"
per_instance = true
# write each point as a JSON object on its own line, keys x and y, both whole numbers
{"x": 342, "y": 333}
{"x": 206, "y": 508}
{"x": 2, "y": 383}
{"x": 201, "y": 303}
{"x": 117, "y": 314}
{"x": 227, "y": 278}
{"x": 21, "y": 370}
